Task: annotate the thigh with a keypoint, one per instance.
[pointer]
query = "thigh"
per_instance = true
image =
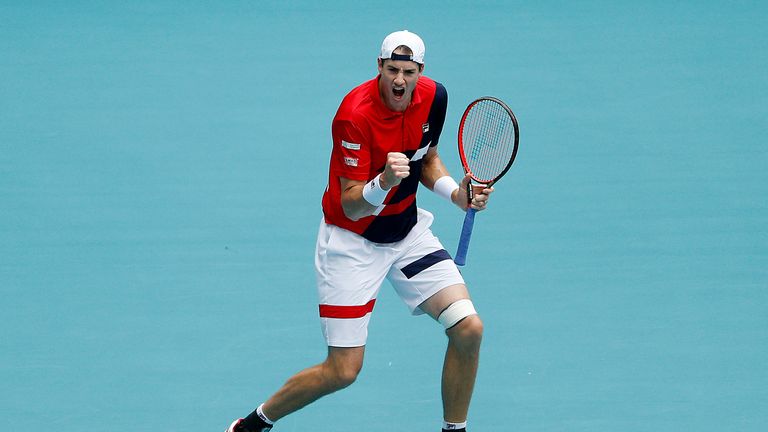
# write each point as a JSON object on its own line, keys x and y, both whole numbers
{"x": 424, "y": 270}
{"x": 436, "y": 304}
{"x": 349, "y": 274}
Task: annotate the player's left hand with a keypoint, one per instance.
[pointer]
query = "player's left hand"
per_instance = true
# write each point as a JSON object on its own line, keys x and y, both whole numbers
{"x": 479, "y": 197}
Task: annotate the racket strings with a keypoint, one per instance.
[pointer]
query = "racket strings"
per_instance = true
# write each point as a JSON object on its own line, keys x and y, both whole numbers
{"x": 488, "y": 139}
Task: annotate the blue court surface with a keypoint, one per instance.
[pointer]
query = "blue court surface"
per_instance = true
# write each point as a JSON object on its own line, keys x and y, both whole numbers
{"x": 161, "y": 167}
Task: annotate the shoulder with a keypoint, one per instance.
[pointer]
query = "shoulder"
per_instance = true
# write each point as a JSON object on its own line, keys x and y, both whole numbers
{"x": 350, "y": 121}
{"x": 433, "y": 90}
{"x": 357, "y": 101}
{"x": 435, "y": 95}
{"x": 429, "y": 85}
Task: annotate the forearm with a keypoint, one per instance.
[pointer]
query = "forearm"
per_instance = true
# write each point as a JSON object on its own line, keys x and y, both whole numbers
{"x": 353, "y": 201}
{"x": 433, "y": 170}
{"x": 360, "y": 199}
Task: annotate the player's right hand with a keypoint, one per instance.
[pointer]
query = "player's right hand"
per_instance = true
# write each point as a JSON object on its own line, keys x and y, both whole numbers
{"x": 395, "y": 170}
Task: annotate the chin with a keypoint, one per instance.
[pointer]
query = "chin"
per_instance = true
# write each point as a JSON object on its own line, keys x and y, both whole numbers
{"x": 400, "y": 105}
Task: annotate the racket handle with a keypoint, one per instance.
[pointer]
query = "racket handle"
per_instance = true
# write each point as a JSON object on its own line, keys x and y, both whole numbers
{"x": 466, "y": 233}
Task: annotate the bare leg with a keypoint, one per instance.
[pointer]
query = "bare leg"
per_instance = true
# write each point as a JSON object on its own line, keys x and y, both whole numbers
{"x": 462, "y": 355}
{"x": 460, "y": 367}
{"x": 339, "y": 370}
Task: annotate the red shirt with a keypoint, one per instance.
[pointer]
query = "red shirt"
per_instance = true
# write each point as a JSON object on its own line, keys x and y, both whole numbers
{"x": 364, "y": 131}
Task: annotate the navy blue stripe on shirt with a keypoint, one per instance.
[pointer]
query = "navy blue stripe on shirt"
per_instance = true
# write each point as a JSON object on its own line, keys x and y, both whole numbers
{"x": 425, "y": 262}
{"x": 436, "y": 116}
{"x": 391, "y": 228}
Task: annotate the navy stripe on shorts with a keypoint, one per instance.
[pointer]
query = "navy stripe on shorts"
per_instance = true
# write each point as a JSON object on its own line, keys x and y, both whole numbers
{"x": 425, "y": 262}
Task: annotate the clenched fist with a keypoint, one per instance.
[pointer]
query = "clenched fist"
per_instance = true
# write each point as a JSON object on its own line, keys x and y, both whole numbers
{"x": 395, "y": 170}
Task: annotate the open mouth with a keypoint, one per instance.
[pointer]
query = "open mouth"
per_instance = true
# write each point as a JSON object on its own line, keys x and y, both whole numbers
{"x": 398, "y": 92}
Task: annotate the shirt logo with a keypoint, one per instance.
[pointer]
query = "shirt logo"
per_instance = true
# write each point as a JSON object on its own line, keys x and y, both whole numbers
{"x": 425, "y": 127}
{"x": 351, "y": 161}
{"x": 351, "y": 146}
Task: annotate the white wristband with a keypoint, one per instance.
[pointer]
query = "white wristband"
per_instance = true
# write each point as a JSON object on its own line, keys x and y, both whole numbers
{"x": 444, "y": 186}
{"x": 373, "y": 193}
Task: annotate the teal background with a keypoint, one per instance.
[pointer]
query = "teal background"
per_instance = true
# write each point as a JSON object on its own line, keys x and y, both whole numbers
{"x": 161, "y": 167}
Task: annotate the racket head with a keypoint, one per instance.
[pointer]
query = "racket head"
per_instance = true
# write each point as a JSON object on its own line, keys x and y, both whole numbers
{"x": 488, "y": 139}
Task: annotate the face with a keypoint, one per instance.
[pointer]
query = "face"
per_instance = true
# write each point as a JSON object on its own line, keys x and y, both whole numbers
{"x": 398, "y": 79}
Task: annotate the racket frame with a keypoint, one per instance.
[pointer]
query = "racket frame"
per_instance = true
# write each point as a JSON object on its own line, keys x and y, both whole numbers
{"x": 469, "y": 218}
{"x": 462, "y": 155}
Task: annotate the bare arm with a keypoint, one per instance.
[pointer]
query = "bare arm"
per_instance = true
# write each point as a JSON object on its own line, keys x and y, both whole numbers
{"x": 352, "y": 201}
{"x": 433, "y": 168}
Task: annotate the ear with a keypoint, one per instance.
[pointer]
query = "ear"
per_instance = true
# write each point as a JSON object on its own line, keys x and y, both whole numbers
{"x": 421, "y": 69}
{"x": 380, "y": 63}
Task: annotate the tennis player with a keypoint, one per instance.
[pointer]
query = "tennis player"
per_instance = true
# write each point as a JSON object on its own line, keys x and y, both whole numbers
{"x": 385, "y": 137}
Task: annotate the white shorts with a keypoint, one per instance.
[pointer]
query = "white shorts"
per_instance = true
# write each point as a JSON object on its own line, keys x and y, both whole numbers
{"x": 351, "y": 269}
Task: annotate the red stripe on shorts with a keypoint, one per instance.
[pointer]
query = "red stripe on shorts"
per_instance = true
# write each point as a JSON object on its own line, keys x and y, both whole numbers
{"x": 346, "y": 312}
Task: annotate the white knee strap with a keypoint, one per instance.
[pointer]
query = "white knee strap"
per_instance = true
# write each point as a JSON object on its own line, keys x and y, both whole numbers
{"x": 456, "y": 312}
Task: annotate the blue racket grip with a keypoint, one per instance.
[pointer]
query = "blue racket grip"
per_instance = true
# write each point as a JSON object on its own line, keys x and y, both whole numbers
{"x": 466, "y": 233}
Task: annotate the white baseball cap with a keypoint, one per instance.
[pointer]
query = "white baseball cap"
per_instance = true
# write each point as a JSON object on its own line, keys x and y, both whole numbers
{"x": 403, "y": 37}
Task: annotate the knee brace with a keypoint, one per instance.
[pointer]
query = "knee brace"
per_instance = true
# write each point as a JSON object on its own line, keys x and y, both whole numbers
{"x": 456, "y": 312}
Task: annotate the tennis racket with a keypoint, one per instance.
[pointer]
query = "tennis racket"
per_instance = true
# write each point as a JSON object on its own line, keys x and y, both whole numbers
{"x": 488, "y": 139}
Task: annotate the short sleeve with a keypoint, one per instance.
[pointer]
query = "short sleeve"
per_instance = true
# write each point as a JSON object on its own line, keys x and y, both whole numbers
{"x": 351, "y": 151}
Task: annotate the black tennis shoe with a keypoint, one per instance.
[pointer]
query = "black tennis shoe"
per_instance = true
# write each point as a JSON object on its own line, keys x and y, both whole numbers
{"x": 237, "y": 426}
